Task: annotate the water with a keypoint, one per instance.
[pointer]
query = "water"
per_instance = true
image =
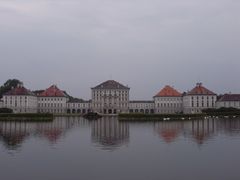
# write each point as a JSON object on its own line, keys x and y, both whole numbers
{"x": 72, "y": 148}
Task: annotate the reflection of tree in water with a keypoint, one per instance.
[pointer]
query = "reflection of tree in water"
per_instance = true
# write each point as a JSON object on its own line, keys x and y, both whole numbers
{"x": 110, "y": 133}
{"x": 168, "y": 131}
{"x": 13, "y": 134}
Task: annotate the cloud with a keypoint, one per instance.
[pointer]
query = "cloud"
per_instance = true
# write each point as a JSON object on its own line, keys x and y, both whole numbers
{"x": 144, "y": 43}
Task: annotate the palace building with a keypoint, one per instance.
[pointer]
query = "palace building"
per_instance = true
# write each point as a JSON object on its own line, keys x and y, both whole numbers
{"x": 20, "y": 100}
{"x": 198, "y": 98}
{"x": 78, "y": 106}
{"x": 146, "y": 107}
{"x": 52, "y": 100}
{"x": 168, "y": 101}
{"x": 112, "y": 97}
{"x": 229, "y": 100}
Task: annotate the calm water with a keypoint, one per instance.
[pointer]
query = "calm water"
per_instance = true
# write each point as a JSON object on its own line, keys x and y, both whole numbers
{"x": 73, "y": 148}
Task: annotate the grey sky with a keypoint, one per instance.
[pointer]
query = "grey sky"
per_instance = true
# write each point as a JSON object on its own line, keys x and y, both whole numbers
{"x": 145, "y": 44}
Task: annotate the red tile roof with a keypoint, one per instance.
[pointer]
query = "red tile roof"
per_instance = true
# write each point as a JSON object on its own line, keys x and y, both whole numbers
{"x": 200, "y": 90}
{"x": 19, "y": 91}
{"x": 168, "y": 91}
{"x": 52, "y": 91}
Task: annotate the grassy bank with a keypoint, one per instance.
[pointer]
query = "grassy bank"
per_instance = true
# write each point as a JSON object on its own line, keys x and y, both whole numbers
{"x": 161, "y": 117}
{"x": 26, "y": 117}
{"x": 67, "y": 115}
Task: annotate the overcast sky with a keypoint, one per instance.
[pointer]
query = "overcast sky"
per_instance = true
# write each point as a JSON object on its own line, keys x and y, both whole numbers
{"x": 144, "y": 44}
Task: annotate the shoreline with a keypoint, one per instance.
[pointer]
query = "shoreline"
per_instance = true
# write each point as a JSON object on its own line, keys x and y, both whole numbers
{"x": 26, "y": 117}
{"x": 174, "y": 117}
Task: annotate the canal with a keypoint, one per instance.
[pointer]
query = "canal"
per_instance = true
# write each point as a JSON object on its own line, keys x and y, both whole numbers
{"x": 73, "y": 148}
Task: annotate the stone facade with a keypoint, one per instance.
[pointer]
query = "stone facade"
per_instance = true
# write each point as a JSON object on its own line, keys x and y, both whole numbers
{"x": 197, "y": 99}
{"x": 229, "y": 100}
{"x": 76, "y": 106}
{"x": 146, "y": 107}
{"x": 168, "y": 101}
{"x": 110, "y": 97}
{"x": 20, "y": 100}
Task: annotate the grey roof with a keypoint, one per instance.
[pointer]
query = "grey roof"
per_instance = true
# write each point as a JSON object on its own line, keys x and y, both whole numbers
{"x": 230, "y": 97}
{"x": 141, "y": 101}
{"x": 76, "y": 100}
{"x": 110, "y": 84}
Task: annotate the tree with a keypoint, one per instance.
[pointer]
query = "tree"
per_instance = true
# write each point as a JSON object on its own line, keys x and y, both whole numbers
{"x": 8, "y": 85}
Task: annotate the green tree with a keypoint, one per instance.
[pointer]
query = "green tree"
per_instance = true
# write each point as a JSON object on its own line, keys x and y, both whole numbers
{"x": 8, "y": 85}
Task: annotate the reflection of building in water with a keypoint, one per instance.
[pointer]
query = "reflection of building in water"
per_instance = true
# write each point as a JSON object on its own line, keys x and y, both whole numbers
{"x": 229, "y": 126}
{"x": 109, "y": 132}
{"x": 55, "y": 130}
{"x": 14, "y": 133}
{"x": 168, "y": 131}
{"x": 52, "y": 131}
{"x": 198, "y": 130}
{"x": 202, "y": 130}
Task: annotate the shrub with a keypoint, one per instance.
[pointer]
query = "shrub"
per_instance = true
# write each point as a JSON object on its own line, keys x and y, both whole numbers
{"x": 6, "y": 110}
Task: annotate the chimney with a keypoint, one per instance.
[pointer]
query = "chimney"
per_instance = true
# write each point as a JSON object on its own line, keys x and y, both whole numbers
{"x": 199, "y": 84}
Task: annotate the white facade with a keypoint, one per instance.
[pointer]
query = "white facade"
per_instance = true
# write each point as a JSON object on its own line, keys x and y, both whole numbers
{"x": 52, "y": 100}
{"x": 197, "y": 99}
{"x": 78, "y": 107}
{"x": 229, "y": 101}
{"x": 228, "y": 104}
{"x": 196, "y": 103}
{"x": 168, "y": 105}
{"x": 146, "y": 107}
{"x": 56, "y": 105}
{"x": 20, "y": 103}
{"x": 110, "y": 97}
{"x": 20, "y": 100}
